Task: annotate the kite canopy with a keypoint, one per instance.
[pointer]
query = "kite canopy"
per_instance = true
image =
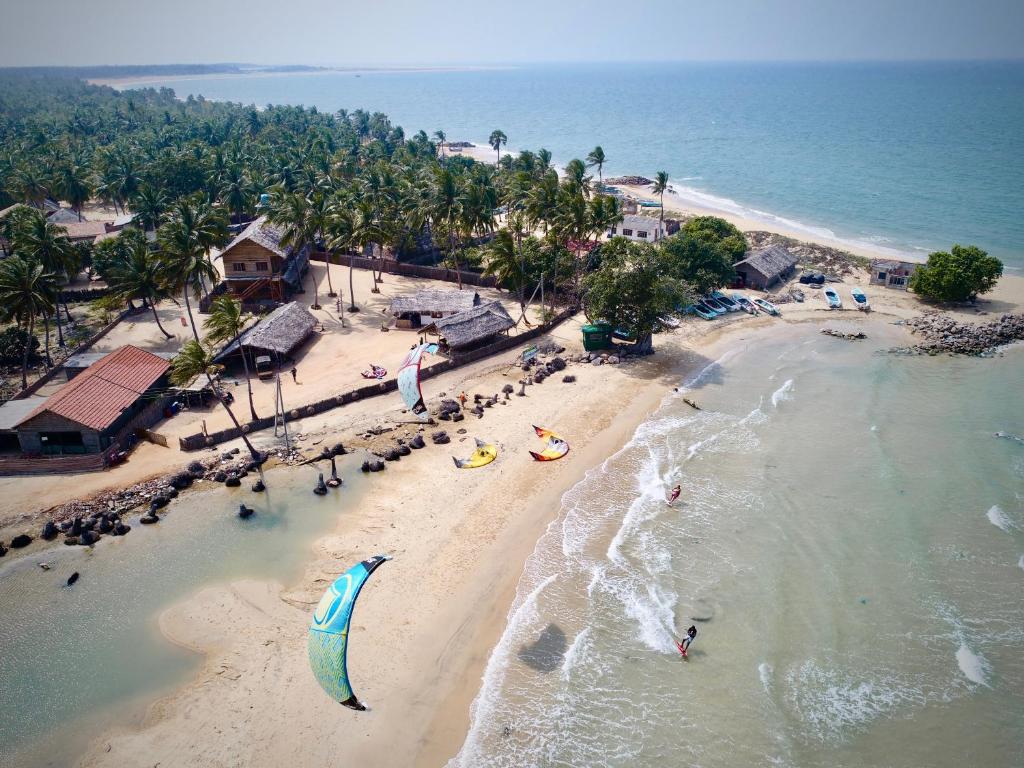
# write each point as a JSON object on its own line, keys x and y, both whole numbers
{"x": 485, "y": 453}
{"x": 328, "y": 632}
{"x": 409, "y": 378}
{"x": 556, "y": 447}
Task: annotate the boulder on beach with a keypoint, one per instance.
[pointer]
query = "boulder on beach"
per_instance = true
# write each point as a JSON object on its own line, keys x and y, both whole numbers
{"x": 220, "y": 477}
{"x": 417, "y": 442}
{"x": 88, "y": 538}
{"x": 120, "y": 529}
{"x": 20, "y": 541}
{"x": 365, "y": 467}
{"x": 258, "y": 487}
{"x": 149, "y": 519}
{"x": 403, "y": 450}
{"x": 338, "y": 450}
{"x": 377, "y": 466}
{"x": 49, "y": 531}
{"x": 232, "y": 480}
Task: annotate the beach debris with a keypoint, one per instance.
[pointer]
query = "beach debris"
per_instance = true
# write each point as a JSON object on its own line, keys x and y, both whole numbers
{"x": 691, "y": 403}
{"x": 72, "y": 579}
{"x": 21, "y": 541}
{"x": 44, "y": 566}
{"x": 848, "y": 335}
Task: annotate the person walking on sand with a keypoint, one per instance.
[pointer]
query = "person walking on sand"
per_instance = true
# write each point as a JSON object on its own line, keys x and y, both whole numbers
{"x": 463, "y": 398}
{"x": 674, "y": 495}
{"x": 295, "y": 375}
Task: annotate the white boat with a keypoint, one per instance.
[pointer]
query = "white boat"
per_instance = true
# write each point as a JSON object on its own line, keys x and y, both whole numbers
{"x": 834, "y": 302}
{"x": 860, "y": 299}
{"x": 668, "y": 321}
{"x": 766, "y": 306}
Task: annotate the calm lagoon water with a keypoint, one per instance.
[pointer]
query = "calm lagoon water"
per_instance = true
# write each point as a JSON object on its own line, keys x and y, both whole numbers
{"x": 913, "y": 157}
{"x": 74, "y": 659}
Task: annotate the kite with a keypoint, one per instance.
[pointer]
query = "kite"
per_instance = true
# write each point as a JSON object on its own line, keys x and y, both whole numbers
{"x": 485, "y": 453}
{"x": 328, "y": 632}
{"x": 409, "y": 378}
{"x": 556, "y": 448}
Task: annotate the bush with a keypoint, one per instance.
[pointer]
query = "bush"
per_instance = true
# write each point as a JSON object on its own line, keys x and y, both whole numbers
{"x": 959, "y": 275}
{"x": 12, "y": 345}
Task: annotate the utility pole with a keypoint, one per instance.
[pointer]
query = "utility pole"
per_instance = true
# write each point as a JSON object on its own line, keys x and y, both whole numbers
{"x": 279, "y": 412}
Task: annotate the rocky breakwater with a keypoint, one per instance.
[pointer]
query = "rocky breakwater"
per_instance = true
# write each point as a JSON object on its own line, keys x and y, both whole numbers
{"x": 944, "y": 334}
{"x": 631, "y": 181}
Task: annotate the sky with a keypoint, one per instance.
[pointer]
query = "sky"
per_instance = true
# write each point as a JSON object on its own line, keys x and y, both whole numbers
{"x": 453, "y": 32}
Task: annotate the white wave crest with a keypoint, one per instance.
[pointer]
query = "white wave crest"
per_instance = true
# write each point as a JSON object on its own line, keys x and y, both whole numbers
{"x": 785, "y": 392}
{"x": 999, "y": 519}
{"x": 974, "y": 667}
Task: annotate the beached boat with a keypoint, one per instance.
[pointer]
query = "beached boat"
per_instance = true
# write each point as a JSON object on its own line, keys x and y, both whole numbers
{"x": 725, "y": 301}
{"x": 700, "y": 311}
{"x": 860, "y": 299}
{"x": 766, "y": 306}
{"x": 745, "y": 304}
{"x": 648, "y": 204}
{"x": 708, "y": 308}
{"x": 834, "y": 302}
{"x": 715, "y": 305}
{"x": 668, "y": 321}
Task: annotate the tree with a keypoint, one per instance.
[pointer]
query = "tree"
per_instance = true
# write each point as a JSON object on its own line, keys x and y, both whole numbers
{"x": 135, "y": 272}
{"x": 196, "y": 360}
{"x": 74, "y": 186}
{"x": 720, "y": 233}
{"x": 959, "y": 275}
{"x": 496, "y": 140}
{"x": 38, "y": 239}
{"x": 506, "y": 262}
{"x": 631, "y": 289}
{"x": 660, "y": 185}
{"x": 439, "y": 137}
{"x": 27, "y": 291}
{"x": 702, "y": 263}
{"x": 225, "y": 322}
{"x": 150, "y": 205}
{"x": 291, "y": 212}
{"x": 596, "y": 159}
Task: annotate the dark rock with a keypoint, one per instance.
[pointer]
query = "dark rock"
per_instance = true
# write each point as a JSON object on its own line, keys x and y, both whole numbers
{"x": 182, "y": 480}
{"x": 220, "y": 477}
{"x": 121, "y": 529}
{"x": 49, "y": 531}
{"x": 105, "y": 525}
{"x": 171, "y": 492}
{"x": 377, "y": 466}
{"x": 339, "y": 450}
{"x": 365, "y": 467}
{"x": 417, "y": 442}
{"x": 88, "y": 538}
{"x": 391, "y": 455}
{"x": 196, "y": 468}
{"x": 71, "y": 541}
{"x": 568, "y": 378}
{"x": 149, "y": 519}
{"x": 159, "y": 501}
{"x": 20, "y": 541}
{"x": 245, "y": 512}
{"x": 232, "y": 480}
{"x": 404, "y": 450}
{"x": 258, "y": 487}
{"x": 458, "y": 417}
{"x": 76, "y": 527}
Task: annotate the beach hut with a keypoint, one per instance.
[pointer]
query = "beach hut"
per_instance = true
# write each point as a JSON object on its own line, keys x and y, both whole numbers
{"x": 432, "y": 304}
{"x": 257, "y": 267}
{"x": 641, "y": 229}
{"x": 892, "y": 273}
{"x": 473, "y": 328}
{"x": 764, "y": 267}
{"x": 276, "y": 335}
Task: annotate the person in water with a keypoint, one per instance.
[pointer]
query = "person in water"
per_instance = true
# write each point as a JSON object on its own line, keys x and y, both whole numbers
{"x": 674, "y": 495}
{"x": 691, "y": 635}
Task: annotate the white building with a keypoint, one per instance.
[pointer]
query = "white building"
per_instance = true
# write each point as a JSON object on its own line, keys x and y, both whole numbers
{"x": 643, "y": 229}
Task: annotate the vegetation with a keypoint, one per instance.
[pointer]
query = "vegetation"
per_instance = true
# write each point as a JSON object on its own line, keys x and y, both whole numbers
{"x": 13, "y": 340}
{"x": 27, "y": 291}
{"x": 225, "y": 322}
{"x": 703, "y": 252}
{"x": 720, "y": 234}
{"x": 133, "y": 274}
{"x": 659, "y": 188}
{"x": 958, "y": 275}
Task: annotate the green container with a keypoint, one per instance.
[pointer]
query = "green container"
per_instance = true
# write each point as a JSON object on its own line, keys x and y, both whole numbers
{"x": 598, "y": 336}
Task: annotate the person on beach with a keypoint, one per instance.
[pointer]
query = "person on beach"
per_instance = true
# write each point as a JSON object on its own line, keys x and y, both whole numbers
{"x": 463, "y": 398}
{"x": 674, "y": 495}
{"x": 295, "y": 375}
{"x": 691, "y": 635}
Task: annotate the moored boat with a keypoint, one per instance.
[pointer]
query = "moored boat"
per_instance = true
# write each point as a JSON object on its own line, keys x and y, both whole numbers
{"x": 745, "y": 304}
{"x": 725, "y": 301}
{"x": 718, "y": 307}
{"x": 860, "y": 299}
{"x": 834, "y": 302}
{"x": 699, "y": 311}
{"x": 766, "y": 306}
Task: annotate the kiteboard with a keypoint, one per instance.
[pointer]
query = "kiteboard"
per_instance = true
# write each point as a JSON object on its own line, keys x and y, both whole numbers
{"x": 681, "y": 649}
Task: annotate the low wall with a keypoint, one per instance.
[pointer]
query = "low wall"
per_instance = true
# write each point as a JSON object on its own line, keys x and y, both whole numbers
{"x": 197, "y": 441}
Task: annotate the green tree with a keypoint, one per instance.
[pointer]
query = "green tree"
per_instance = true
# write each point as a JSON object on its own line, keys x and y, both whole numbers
{"x": 596, "y": 159}
{"x": 291, "y": 212}
{"x": 135, "y": 272}
{"x": 659, "y": 188}
{"x": 27, "y": 291}
{"x": 720, "y": 233}
{"x": 150, "y": 205}
{"x": 959, "y": 275}
{"x": 224, "y": 323}
{"x": 704, "y": 264}
{"x": 73, "y": 185}
{"x": 632, "y": 288}
{"x": 38, "y": 239}
{"x": 496, "y": 139}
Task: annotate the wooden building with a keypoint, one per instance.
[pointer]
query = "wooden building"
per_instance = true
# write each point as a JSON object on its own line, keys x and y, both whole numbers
{"x": 430, "y": 304}
{"x": 473, "y": 328}
{"x": 762, "y": 268}
{"x": 277, "y": 335}
{"x": 100, "y": 407}
{"x": 257, "y": 267}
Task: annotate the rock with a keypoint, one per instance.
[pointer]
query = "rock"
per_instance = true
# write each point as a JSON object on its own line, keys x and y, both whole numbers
{"x": 70, "y": 541}
{"x": 568, "y": 378}
{"x": 171, "y": 493}
{"x": 258, "y": 487}
{"x": 338, "y": 450}
{"x": 245, "y": 512}
{"x": 220, "y": 477}
{"x": 149, "y": 519}
{"x": 508, "y": 389}
{"x": 391, "y": 455}
{"x": 88, "y": 538}
{"x": 232, "y": 480}
{"x": 403, "y": 450}
{"x": 417, "y": 442}
{"x": 105, "y": 525}
{"x": 49, "y": 531}
{"x": 458, "y": 417}
{"x": 3, "y": 549}
{"x": 159, "y": 501}
{"x": 365, "y": 467}
{"x": 21, "y": 541}
{"x": 557, "y": 364}
{"x": 377, "y": 466}
{"x": 597, "y": 361}
{"x": 612, "y": 360}
{"x": 121, "y": 529}
{"x": 196, "y": 468}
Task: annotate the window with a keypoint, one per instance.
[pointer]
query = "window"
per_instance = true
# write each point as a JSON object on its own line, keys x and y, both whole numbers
{"x": 613, "y": 230}
{"x": 898, "y": 281}
{"x": 627, "y": 232}
{"x": 881, "y": 275}
{"x": 641, "y": 233}
{"x": 261, "y": 266}
{"x": 238, "y": 266}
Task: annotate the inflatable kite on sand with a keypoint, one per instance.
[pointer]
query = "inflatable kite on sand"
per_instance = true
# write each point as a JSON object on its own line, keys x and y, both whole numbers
{"x": 409, "y": 378}
{"x": 328, "y": 632}
{"x": 485, "y": 453}
{"x": 556, "y": 448}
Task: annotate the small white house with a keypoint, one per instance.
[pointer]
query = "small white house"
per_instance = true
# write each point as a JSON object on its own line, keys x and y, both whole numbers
{"x": 643, "y": 229}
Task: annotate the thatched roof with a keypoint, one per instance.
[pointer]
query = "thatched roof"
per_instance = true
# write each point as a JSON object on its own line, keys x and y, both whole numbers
{"x": 281, "y": 331}
{"x": 474, "y": 324}
{"x": 432, "y": 300}
{"x": 771, "y": 261}
{"x": 262, "y": 232}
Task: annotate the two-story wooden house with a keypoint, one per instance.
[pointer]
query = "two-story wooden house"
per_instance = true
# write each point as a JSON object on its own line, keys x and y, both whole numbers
{"x": 257, "y": 267}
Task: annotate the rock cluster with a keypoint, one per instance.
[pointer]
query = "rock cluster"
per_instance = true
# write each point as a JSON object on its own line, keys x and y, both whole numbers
{"x": 632, "y": 181}
{"x": 942, "y": 333}
{"x": 850, "y": 335}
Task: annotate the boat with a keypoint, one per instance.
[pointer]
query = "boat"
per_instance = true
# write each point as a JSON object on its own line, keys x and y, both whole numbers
{"x": 860, "y": 299}
{"x": 797, "y": 295}
{"x": 766, "y": 306}
{"x": 745, "y": 304}
{"x": 725, "y": 301}
{"x": 699, "y": 311}
{"x": 834, "y": 302}
{"x": 719, "y": 308}
{"x": 648, "y": 204}
{"x": 708, "y": 308}
{"x": 668, "y": 321}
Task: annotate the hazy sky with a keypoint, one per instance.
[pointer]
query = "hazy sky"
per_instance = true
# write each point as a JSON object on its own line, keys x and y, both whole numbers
{"x": 329, "y": 32}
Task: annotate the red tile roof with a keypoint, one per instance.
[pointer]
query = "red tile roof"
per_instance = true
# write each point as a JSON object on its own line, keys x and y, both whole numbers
{"x": 97, "y": 396}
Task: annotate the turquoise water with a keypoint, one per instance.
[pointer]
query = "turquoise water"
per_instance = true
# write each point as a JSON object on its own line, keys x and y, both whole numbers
{"x": 849, "y": 542}
{"x": 912, "y": 157}
{"x": 76, "y": 660}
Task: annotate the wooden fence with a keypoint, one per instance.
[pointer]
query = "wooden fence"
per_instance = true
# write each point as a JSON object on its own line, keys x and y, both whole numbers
{"x": 392, "y": 267}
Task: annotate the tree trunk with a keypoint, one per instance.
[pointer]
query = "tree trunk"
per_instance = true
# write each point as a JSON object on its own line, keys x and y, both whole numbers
{"x": 645, "y": 346}
{"x": 46, "y": 321}
{"x": 60, "y": 330}
{"x": 191, "y": 320}
{"x": 248, "y": 382}
{"x": 245, "y": 439}
{"x": 152, "y": 305}
{"x": 351, "y": 291}
{"x": 330, "y": 285}
{"x": 28, "y": 346}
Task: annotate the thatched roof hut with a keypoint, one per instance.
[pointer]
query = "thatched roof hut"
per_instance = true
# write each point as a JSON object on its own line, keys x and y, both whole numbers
{"x": 430, "y": 303}
{"x": 763, "y": 267}
{"x": 474, "y": 327}
{"x": 278, "y": 333}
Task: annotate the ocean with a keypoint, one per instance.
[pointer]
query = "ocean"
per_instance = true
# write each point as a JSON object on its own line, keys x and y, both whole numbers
{"x": 848, "y": 543}
{"x": 909, "y": 157}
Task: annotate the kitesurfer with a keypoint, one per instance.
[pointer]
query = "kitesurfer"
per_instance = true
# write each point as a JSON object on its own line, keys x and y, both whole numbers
{"x": 674, "y": 495}
{"x": 691, "y": 635}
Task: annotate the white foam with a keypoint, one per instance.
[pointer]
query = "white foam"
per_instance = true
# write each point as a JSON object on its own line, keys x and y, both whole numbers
{"x": 973, "y": 666}
{"x": 574, "y": 652}
{"x": 785, "y": 392}
{"x": 1020, "y": 563}
{"x": 998, "y": 518}
{"x": 765, "y": 671}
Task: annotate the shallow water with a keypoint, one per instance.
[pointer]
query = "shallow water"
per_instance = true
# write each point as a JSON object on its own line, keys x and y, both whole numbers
{"x": 856, "y": 602}
{"x": 77, "y": 658}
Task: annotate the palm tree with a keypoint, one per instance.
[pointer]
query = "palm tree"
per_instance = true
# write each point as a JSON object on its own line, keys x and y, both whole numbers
{"x": 290, "y": 212}
{"x": 40, "y": 240}
{"x": 27, "y": 291}
{"x": 74, "y": 186}
{"x": 446, "y": 208}
{"x": 150, "y": 205}
{"x": 596, "y": 159}
{"x": 184, "y": 240}
{"x": 196, "y": 360}
{"x": 138, "y": 274}
{"x": 340, "y": 227}
{"x": 576, "y": 177}
{"x": 505, "y": 262}
{"x": 439, "y": 137}
{"x": 235, "y": 190}
{"x": 543, "y": 159}
{"x": 28, "y": 185}
{"x": 496, "y": 140}
{"x": 225, "y": 323}
{"x": 660, "y": 185}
